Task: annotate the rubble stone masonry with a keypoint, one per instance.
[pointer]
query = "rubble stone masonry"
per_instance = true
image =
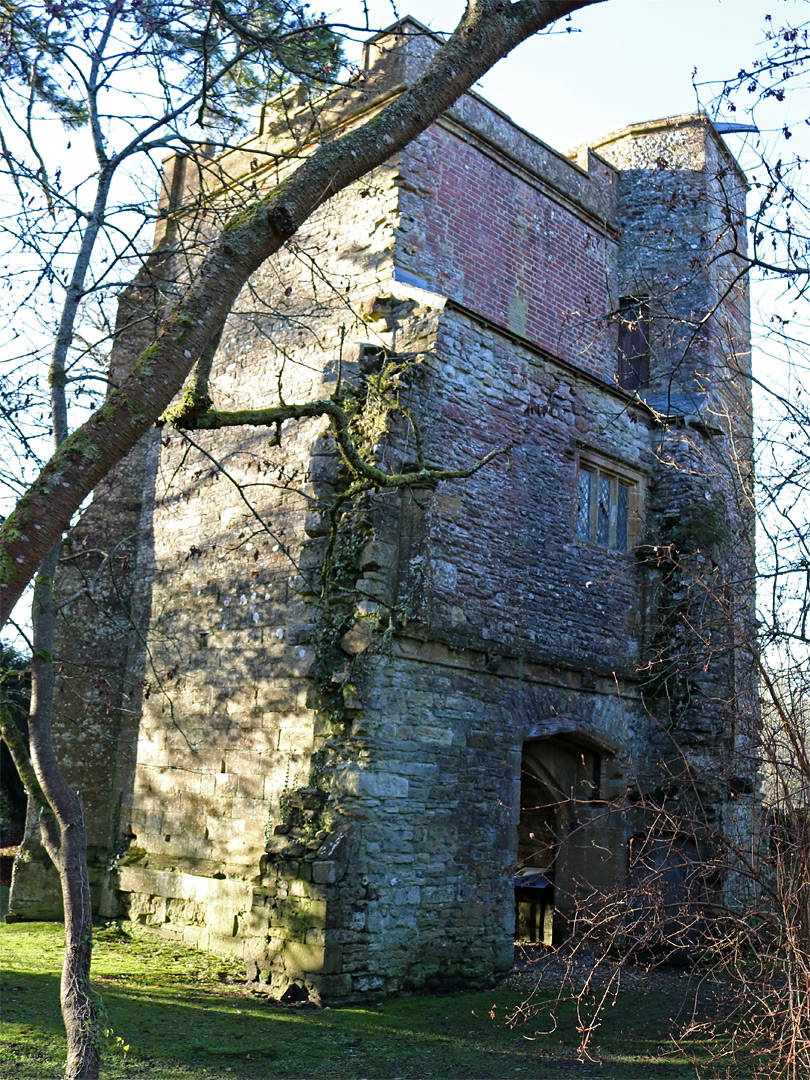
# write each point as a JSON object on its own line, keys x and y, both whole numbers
{"x": 320, "y": 770}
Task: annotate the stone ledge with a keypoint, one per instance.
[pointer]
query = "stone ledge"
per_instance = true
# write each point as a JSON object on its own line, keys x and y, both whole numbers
{"x": 179, "y": 886}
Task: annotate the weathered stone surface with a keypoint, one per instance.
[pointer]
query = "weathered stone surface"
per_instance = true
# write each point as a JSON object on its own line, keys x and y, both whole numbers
{"x": 340, "y": 795}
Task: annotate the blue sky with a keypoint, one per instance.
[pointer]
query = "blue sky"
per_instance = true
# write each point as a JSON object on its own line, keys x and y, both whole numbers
{"x": 631, "y": 60}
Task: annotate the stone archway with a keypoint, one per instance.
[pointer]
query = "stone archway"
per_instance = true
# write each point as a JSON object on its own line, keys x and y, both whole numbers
{"x": 563, "y": 844}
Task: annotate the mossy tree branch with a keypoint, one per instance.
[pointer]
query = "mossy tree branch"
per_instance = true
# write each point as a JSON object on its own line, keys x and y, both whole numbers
{"x": 185, "y": 417}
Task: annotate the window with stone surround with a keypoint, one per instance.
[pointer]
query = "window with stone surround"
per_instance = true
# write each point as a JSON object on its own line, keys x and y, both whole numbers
{"x": 607, "y": 506}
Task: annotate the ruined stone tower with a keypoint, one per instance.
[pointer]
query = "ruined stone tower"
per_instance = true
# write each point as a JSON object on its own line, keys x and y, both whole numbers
{"x": 337, "y": 744}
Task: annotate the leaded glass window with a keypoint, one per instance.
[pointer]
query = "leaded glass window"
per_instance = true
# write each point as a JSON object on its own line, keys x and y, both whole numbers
{"x": 622, "y": 507}
{"x": 603, "y": 508}
{"x": 586, "y": 485}
{"x": 603, "y": 512}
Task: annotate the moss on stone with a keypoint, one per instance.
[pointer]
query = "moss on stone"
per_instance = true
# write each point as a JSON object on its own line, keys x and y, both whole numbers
{"x": 133, "y": 856}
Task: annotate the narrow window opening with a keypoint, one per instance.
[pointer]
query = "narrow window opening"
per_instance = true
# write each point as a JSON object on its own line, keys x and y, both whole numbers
{"x": 596, "y": 791}
{"x": 587, "y": 478}
{"x": 634, "y": 343}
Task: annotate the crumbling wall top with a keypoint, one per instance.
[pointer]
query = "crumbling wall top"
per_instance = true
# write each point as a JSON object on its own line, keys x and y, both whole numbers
{"x": 633, "y": 146}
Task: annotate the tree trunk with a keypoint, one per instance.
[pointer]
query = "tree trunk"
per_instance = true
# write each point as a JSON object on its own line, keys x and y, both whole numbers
{"x": 78, "y": 1007}
{"x": 64, "y": 837}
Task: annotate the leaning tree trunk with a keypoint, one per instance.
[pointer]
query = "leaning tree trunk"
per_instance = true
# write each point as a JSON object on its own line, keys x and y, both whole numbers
{"x": 64, "y": 837}
{"x": 63, "y": 831}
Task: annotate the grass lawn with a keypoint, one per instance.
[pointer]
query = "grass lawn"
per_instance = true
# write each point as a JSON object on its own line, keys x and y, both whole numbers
{"x": 183, "y": 1014}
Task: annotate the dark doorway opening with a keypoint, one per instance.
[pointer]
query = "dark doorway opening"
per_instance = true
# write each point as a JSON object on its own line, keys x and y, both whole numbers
{"x": 537, "y": 847}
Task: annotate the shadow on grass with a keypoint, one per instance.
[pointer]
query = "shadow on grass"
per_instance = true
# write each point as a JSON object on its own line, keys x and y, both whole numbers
{"x": 175, "y": 1029}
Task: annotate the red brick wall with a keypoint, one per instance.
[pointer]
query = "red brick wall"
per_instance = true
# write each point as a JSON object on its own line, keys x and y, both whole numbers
{"x": 487, "y": 238}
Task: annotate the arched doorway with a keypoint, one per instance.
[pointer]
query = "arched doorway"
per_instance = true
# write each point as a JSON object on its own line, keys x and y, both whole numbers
{"x": 563, "y": 845}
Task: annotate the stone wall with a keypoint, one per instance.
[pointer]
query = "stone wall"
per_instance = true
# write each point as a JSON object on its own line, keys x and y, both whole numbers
{"x": 322, "y": 713}
{"x": 228, "y": 730}
{"x": 508, "y": 572}
{"x": 681, "y": 204}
